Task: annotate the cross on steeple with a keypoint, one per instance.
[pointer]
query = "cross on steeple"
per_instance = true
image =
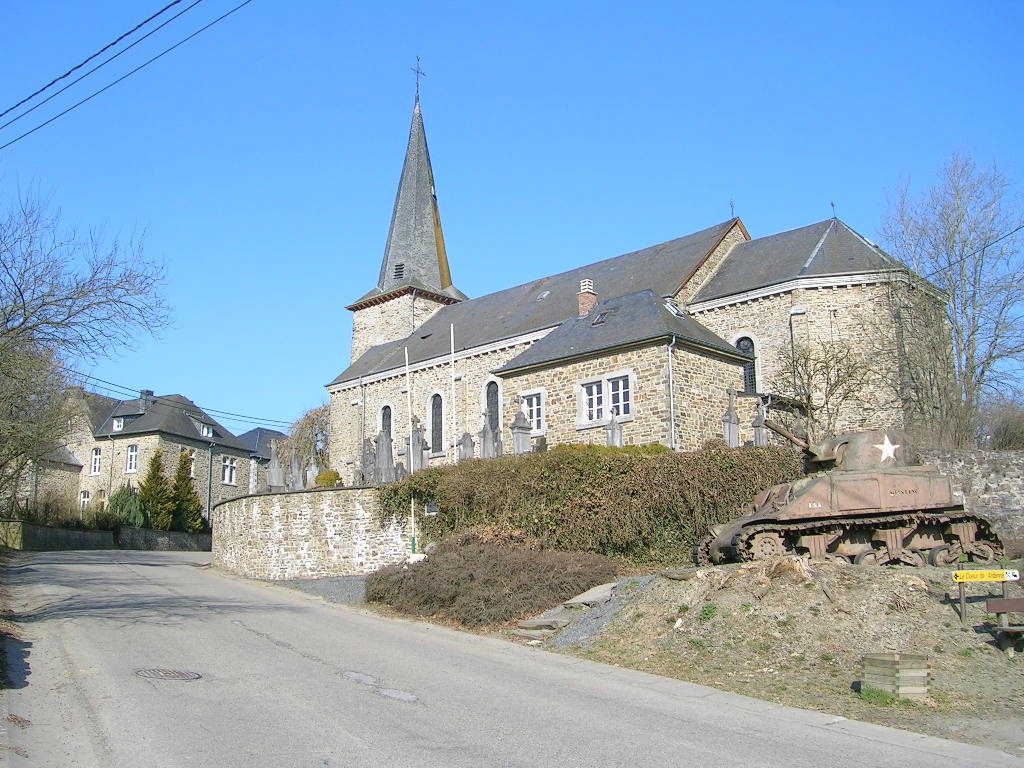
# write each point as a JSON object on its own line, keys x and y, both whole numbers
{"x": 419, "y": 74}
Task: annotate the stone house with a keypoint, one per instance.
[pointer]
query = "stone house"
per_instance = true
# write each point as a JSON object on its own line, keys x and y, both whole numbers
{"x": 676, "y": 344}
{"x": 112, "y": 442}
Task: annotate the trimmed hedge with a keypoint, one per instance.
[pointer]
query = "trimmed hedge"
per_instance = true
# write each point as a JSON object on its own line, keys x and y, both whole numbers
{"x": 642, "y": 505}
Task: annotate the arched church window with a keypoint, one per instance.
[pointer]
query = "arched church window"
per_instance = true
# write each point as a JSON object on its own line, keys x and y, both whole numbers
{"x": 385, "y": 420}
{"x": 436, "y": 425}
{"x": 493, "y": 415}
{"x": 745, "y": 344}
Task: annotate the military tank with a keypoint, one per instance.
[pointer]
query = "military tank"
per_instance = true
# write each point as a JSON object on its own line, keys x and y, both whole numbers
{"x": 863, "y": 501}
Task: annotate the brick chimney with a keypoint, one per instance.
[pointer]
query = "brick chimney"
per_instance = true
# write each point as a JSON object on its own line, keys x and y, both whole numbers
{"x": 587, "y": 297}
{"x": 146, "y": 399}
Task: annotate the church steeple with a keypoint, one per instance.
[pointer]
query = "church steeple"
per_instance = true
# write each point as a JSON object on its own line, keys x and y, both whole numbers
{"x": 415, "y": 256}
{"x": 415, "y": 269}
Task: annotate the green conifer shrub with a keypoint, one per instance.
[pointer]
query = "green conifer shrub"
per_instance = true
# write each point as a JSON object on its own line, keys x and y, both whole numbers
{"x": 155, "y": 494}
{"x": 124, "y": 505}
{"x": 188, "y": 507}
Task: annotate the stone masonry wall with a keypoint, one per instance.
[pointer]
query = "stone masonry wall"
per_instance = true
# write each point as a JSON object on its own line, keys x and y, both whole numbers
{"x": 306, "y": 534}
{"x": 701, "y": 383}
{"x": 356, "y": 410}
{"x": 993, "y": 486}
{"x": 389, "y": 320}
{"x": 829, "y": 313}
{"x": 705, "y": 271}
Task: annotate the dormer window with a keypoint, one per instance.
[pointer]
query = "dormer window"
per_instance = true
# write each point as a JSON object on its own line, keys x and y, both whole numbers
{"x": 206, "y": 430}
{"x": 118, "y": 424}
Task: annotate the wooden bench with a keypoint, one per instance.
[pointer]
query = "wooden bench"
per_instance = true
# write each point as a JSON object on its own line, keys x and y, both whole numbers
{"x": 1006, "y": 630}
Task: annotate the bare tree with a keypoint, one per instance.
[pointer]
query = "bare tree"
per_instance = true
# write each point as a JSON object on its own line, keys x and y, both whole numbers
{"x": 828, "y": 380}
{"x": 63, "y": 299}
{"x": 962, "y": 235}
{"x": 308, "y": 439}
{"x": 82, "y": 298}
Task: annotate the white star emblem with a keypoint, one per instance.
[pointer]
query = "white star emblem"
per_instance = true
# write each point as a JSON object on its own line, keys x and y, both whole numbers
{"x": 888, "y": 449}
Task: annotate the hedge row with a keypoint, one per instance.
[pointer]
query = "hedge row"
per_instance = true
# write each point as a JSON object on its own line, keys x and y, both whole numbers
{"x": 636, "y": 504}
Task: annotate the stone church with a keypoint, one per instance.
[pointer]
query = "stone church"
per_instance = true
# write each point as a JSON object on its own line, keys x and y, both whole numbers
{"x": 676, "y": 344}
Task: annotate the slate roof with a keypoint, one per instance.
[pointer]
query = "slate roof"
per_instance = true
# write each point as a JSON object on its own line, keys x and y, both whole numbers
{"x": 415, "y": 255}
{"x": 258, "y": 440}
{"x": 174, "y": 415}
{"x": 619, "y": 322}
{"x": 827, "y": 248}
{"x": 542, "y": 303}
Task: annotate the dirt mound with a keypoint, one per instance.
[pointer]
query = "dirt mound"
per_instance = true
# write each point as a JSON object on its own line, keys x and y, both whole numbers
{"x": 793, "y": 632}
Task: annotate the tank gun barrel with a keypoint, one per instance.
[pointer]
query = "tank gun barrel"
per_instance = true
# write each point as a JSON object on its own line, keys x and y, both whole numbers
{"x": 778, "y": 429}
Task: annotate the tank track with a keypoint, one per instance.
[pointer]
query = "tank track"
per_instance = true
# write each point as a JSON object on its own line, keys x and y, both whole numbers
{"x": 788, "y": 530}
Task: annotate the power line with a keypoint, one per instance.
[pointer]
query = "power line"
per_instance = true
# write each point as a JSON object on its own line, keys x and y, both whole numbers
{"x": 77, "y": 80}
{"x": 126, "y": 76}
{"x": 124, "y": 390}
{"x": 105, "y": 48}
{"x": 962, "y": 259}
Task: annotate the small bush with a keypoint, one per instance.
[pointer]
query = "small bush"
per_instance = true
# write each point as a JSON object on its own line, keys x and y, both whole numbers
{"x": 327, "y": 479}
{"x": 479, "y": 583}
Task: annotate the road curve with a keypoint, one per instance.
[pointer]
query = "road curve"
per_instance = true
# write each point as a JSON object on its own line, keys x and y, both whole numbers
{"x": 154, "y": 659}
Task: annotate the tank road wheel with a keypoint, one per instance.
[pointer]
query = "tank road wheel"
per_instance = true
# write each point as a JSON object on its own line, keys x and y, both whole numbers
{"x": 943, "y": 555}
{"x": 765, "y": 545}
{"x": 868, "y": 557}
{"x": 984, "y": 552}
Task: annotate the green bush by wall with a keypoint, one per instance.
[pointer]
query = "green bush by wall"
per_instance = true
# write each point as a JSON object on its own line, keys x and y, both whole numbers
{"x": 641, "y": 505}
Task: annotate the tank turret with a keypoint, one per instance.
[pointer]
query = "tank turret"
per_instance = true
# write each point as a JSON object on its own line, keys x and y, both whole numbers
{"x": 866, "y": 500}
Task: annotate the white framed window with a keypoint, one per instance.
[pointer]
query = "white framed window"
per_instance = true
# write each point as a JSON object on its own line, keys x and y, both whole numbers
{"x": 83, "y": 499}
{"x": 620, "y": 400}
{"x": 228, "y": 468}
{"x": 593, "y": 401}
{"x": 206, "y": 430}
{"x": 191, "y": 462}
{"x": 599, "y": 398}
{"x": 94, "y": 462}
{"x": 131, "y": 459}
{"x": 118, "y": 424}
{"x": 533, "y": 407}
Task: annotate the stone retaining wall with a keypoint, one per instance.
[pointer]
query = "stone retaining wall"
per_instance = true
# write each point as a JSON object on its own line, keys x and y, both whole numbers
{"x": 993, "y": 486}
{"x": 42, "y": 538}
{"x": 306, "y": 534}
{"x": 335, "y": 532}
{"x": 163, "y": 541}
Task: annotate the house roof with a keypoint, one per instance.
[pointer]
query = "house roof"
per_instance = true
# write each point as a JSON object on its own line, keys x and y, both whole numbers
{"x": 543, "y": 303}
{"x": 827, "y": 248}
{"x": 415, "y": 255}
{"x": 258, "y": 440}
{"x": 619, "y": 322}
{"x": 168, "y": 414}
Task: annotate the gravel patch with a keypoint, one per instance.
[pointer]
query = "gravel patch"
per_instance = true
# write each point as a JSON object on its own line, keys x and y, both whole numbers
{"x": 348, "y": 590}
{"x": 587, "y": 624}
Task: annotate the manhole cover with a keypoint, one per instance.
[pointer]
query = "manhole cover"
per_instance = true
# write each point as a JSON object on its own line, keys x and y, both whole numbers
{"x": 167, "y": 674}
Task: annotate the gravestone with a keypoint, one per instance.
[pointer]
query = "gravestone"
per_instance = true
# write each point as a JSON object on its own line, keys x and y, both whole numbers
{"x": 465, "y": 447}
{"x": 275, "y": 473}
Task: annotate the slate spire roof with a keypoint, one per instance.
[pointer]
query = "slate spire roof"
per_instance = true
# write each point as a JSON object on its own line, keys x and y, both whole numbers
{"x": 414, "y": 256}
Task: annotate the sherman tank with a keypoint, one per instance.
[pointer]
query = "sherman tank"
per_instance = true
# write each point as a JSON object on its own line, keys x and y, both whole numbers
{"x": 865, "y": 500}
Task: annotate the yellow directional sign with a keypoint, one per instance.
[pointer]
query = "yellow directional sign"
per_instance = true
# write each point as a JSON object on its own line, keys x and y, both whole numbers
{"x": 986, "y": 576}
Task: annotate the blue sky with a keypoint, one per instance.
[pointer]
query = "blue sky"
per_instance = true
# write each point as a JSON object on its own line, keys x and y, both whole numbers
{"x": 261, "y": 158}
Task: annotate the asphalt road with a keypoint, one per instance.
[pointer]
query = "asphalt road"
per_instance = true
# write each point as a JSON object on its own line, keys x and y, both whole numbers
{"x": 288, "y": 680}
